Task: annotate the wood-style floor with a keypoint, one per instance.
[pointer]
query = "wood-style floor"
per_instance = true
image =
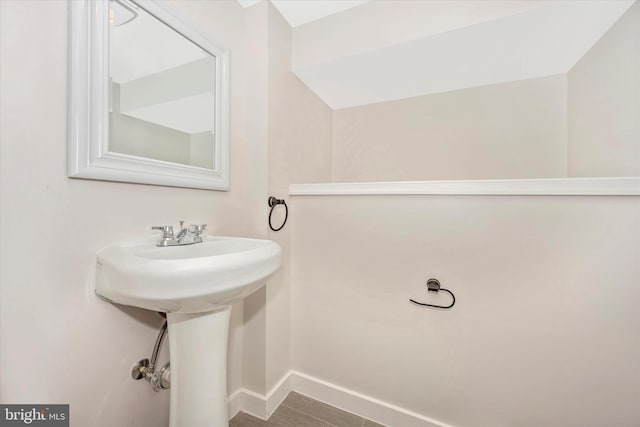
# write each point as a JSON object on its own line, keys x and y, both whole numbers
{"x": 300, "y": 411}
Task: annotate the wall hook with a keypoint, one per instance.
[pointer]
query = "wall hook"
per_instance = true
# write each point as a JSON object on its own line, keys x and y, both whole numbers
{"x": 433, "y": 285}
{"x": 273, "y": 202}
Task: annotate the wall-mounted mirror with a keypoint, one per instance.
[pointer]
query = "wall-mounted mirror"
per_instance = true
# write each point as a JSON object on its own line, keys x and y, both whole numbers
{"x": 149, "y": 97}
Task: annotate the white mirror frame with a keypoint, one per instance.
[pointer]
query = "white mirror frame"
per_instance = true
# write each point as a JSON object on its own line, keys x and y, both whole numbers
{"x": 88, "y": 155}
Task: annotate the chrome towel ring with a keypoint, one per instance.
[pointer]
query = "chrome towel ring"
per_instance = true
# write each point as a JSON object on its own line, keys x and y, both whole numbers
{"x": 273, "y": 202}
{"x": 433, "y": 285}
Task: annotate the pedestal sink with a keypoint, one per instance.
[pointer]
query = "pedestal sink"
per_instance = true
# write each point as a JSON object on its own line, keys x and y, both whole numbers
{"x": 195, "y": 285}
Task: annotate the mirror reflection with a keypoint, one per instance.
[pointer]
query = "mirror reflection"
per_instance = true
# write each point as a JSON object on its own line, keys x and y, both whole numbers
{"x": 162, "y": 89}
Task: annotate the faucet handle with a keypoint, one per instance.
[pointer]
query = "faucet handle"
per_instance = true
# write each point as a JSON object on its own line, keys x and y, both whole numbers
{"x": 198, "y": 229}
{"x": 167, "y": 231}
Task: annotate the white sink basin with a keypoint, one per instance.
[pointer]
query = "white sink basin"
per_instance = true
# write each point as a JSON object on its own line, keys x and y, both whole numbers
{"x": 195, "y": 285}
{"x": 196, "y": 278}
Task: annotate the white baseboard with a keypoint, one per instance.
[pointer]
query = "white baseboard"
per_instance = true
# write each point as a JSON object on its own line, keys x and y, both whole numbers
{"x": 278, "y": 393}
{"x": 234, "y": 403}
{"x": 258, "y": 405}
{"x": 254, "y": 404}
{"x": 262, "y": 406}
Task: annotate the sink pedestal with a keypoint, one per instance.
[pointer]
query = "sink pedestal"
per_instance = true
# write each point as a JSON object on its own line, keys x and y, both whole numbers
{"x": 195, "y": 285}
{"x": 198, "y": 354}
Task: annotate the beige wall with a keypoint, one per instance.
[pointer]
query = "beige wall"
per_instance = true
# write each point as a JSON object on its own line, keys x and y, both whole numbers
{"x": 296, "y": 126}
{"x": 544, "y": 331}
{"x": 256, "y": 52}
{"x": 58, "y": 342}
{"x": 604, "y": 104}
{"x": 299, "y": 151}
{"x": 136, "y": 137}
{"x": 145, "y": 139}
{"x": 130, "y": 135}
{"x": 533, "y": 314}
{"x": 509, "y": 130}
{"x": 201, "y": 149}
{"x": 581, "y": 124}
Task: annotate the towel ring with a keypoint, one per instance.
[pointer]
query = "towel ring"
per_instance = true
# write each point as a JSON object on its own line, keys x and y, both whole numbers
{"x": 273, "y": 202}
{"x": 433, "y": 285}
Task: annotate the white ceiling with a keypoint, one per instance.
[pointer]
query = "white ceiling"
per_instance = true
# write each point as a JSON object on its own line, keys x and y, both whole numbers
{"x": 199, "y": 117}
{"x": 387, "y": 50}
{"x": 157, "y": 47}
{"x": 298, "y": 12}
{"x": 537, "y": 42}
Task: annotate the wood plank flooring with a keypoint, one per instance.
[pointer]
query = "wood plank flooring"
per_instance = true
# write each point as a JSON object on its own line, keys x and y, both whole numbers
{"x": 300, "y": 411}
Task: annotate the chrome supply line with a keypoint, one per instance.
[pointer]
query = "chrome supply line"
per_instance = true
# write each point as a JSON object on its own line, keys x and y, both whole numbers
{"x": 146, "y": 368}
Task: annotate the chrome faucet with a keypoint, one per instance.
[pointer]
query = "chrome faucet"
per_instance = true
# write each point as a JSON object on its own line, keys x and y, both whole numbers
{"x": 186, "y": 236}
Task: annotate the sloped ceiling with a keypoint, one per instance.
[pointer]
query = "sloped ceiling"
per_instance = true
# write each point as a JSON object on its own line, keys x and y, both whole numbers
{"x": 359, "y": 52}
{"x": 298, "y": 12}
{"x": 517, "y": 40}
